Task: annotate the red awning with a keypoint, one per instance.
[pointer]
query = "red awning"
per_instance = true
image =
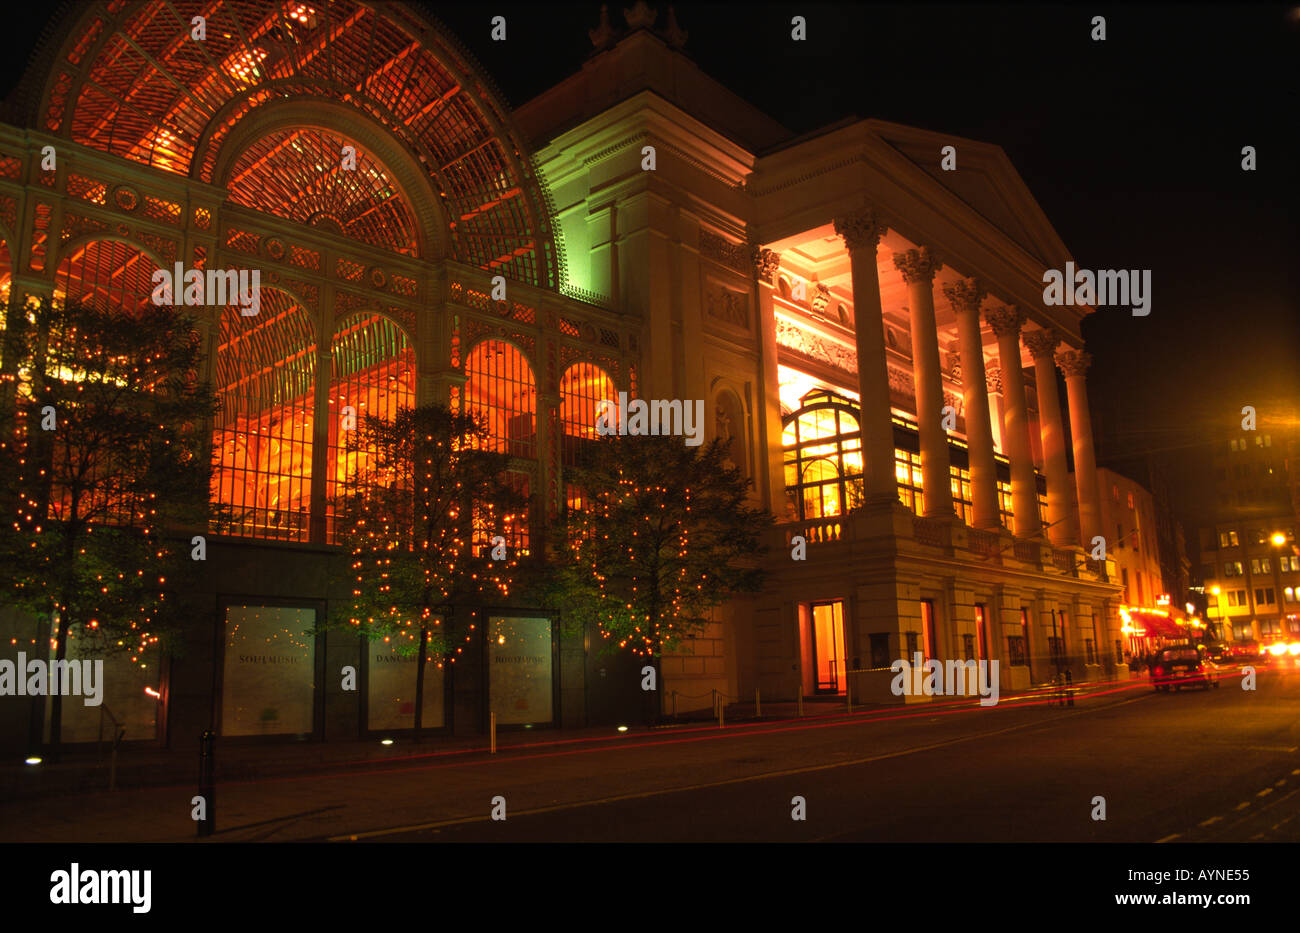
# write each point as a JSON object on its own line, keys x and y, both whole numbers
{"x": 1161, "y": 626}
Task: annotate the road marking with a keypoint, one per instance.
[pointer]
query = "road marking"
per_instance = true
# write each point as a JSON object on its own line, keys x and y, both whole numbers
{"x": 1213, "y": 819}
{"x": 1265, "y": 792}
{"x": 1295, "y": 771}
{"x": 1274, "y": 748}
{"x": 418, "y": 827}
{"x": 1168, "y": 838}
{"x": 1280, "y": 783}
{"x": 1243, "y": 805}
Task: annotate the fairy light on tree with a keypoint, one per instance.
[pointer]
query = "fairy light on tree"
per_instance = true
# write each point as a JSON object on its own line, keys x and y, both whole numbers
{"x": 102, "y": 431}
{"x": 417, "y": 523}
{"x": 665, "y": 533}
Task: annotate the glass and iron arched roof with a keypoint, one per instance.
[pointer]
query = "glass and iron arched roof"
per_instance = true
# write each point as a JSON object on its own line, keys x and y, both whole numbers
{"x": 128, "y": 78}
{"x": 297, "y": 174}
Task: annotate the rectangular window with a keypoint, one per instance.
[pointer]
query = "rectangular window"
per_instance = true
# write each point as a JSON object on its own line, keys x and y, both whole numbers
{"x": 269, "y": 681}
{"x": 981, "y": 631}
{"x": 391, "y": 689}
{"x": 931, "y": 642}
{"x": 520, "y": 669}
{"x": 880, "y": 651}
{"x": 1017, "y": 653}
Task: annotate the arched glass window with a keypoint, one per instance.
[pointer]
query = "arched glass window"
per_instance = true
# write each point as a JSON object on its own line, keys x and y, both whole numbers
{"x": 583, "y": 387}
{"x": 499, "y": 387}
{"x": 262, "y": 433}
{"x": 823, "y": 455}
{"x": 372, "y": 373}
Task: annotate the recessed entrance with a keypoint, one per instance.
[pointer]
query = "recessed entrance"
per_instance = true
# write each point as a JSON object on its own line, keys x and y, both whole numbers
{"x": 828, "y": 647}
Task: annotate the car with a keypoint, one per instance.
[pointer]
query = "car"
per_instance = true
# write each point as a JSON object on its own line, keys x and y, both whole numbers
{"x": 1181, "y": 666}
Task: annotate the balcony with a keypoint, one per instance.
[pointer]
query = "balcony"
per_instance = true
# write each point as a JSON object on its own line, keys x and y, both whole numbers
{"x": 901, "y": 532}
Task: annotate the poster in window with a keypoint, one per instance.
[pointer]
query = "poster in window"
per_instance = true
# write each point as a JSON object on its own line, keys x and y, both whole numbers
{"x": 519, "y": 658}
{"x": 269, "y": 681}
{"x": 120, "y": 680}
{"x": 391, "y": 700}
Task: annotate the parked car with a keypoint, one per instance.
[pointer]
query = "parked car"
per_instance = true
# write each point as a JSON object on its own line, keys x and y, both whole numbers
{"x": 1182, "y": 666}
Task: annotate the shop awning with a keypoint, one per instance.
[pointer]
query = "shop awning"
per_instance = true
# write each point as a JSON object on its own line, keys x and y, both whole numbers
{"x": 1157, "y": 625}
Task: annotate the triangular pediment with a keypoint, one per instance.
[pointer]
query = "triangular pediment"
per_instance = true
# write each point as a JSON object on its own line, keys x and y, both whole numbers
{"x": 985, "y": 180}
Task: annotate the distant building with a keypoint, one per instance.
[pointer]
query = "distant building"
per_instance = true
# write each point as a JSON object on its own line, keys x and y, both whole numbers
{"x": 1249, "y": 565}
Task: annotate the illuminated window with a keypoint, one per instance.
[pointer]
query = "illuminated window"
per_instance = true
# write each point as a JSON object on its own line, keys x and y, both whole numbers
{"x": 907, "y": 473}
{"x": 959, "y": 480}
{"x": 499, "y": 388}
{"x": 823, "y": 455}
{"x": 372, "y": 373}
{"x": 265, "y": 376}
{"x": 582, "y": 389}
{"x": 106, "y": 275}
{"x": 1004, "y": 503}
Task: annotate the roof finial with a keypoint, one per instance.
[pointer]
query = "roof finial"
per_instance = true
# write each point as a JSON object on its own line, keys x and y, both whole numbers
{"x": 674, "y": 34}
{"x": 640, "y": 16}
{"x": 603, "y": 35}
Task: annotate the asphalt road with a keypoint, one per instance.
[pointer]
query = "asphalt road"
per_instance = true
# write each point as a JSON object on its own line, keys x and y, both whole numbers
{"x": 1220, "y": 765}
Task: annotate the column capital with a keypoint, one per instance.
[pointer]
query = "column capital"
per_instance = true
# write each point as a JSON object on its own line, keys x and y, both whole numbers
{"x": 860, "y": 229}
{"x": 766, "y": 262}
{"x": 1073, "y": 362}
{"x": 917, "y": 265}
{"x": 1005, "y": 320}
{"x": 1042, "y": 342}
{"x": 966, "y": 295}
{"x": 993, "y": 379}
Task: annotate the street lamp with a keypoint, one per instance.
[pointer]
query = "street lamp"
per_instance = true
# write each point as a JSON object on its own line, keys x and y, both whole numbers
{"x": 1278, "y": 538}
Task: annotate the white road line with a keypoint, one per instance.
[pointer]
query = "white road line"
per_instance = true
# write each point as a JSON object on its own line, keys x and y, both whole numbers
{"x": 1265, "y": 792}
{"x": 1168, "y": 838}
{"x": 1279, "y": 783}
{"x": 1243, "y": 805}
{"x": 1213, "y": 819}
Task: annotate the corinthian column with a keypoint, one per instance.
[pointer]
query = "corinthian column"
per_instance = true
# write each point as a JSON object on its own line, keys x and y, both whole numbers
{"x": 1074, "y": 363}
{"x": 861, "y": 231}
{"x": 966, "y": 297}
{"x": 1061, "y": 530}
{"x": 1006, "y": 324}
{"x": 918, "y": 267}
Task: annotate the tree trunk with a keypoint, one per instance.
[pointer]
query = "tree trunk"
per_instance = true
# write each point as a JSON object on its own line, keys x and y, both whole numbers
{"x": 419, "y": 682}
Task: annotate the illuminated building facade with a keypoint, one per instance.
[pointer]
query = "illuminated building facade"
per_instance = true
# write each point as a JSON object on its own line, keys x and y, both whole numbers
{"x": 1249, "y": 561}
{"x": 865, "y": 329}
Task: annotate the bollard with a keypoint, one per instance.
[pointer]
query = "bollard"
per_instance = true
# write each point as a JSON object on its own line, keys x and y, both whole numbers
{"x": 207, "y": 768}
{"x": 722, "y": 714}
{"x": 848, "y": 693}
{"x": 674, "y": 704}
{"x": 1069, "y": 686}
{"x": 492, "y": 730}
{"x": 799, "y": 701}
{"x": 758, "y": 705}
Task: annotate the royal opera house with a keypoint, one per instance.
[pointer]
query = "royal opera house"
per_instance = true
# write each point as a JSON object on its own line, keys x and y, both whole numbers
{"x": 865, "y": 328}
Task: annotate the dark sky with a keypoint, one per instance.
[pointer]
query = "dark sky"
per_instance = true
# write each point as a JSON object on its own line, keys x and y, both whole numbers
{"x": 1132, "y": 146}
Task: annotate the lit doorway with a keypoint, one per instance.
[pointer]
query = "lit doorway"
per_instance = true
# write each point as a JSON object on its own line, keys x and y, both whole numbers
{"x": 828, "y": 647}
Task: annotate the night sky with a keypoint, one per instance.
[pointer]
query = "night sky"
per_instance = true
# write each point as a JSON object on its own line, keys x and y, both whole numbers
{"x": 1132, "y": 147}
